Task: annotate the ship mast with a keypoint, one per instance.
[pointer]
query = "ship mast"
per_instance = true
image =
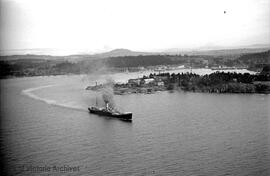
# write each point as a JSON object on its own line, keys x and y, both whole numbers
{"x": 96, "y": 96}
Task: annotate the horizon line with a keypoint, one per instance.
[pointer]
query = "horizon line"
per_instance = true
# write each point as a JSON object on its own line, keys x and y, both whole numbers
{"x": 85, "y": 51}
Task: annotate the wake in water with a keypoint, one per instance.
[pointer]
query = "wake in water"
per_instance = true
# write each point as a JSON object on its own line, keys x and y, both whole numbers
{"x": 70, "y": 105}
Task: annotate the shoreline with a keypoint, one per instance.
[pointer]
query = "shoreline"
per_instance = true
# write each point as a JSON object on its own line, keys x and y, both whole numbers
{"x": 217, "y": 82}
{"x": 182, "y": 70}
{"x": 152, "y": 90}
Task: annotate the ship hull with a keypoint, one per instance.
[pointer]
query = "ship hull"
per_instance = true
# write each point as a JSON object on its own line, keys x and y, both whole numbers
{"x": 123, "y": 116}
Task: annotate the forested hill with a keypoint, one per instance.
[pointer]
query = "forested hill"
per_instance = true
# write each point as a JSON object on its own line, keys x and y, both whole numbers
{"x": 151, "y": 60}
{"x": 38, "y": 67}
{"x": 245, "y": 60}
{"x": 255, "y": 60}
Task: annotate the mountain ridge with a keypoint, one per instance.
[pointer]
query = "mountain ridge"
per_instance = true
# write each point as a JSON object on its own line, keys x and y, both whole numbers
{"x": 121, "y": 52}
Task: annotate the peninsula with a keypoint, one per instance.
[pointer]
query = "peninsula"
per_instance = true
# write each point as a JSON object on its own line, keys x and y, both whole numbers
{"x": 218, "y": 82}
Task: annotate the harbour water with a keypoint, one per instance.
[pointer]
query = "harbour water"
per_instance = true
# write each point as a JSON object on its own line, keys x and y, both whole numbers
{"x": 45, "y": 123}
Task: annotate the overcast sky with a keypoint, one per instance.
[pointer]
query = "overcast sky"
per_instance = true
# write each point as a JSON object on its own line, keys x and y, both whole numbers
{"x": 146, "y": 25}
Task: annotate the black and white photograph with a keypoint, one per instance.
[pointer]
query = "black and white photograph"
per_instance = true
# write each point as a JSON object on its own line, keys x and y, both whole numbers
{"x": 135, "y": 87}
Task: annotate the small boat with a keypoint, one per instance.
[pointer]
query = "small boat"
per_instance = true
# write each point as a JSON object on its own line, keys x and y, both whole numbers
{"x": 110, "y": 112}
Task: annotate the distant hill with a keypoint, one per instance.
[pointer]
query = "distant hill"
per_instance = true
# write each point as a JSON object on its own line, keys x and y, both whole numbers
{"x": 255, "y": 61}
{"x": 219, "y": 52}
{"x": 30, "y": 57}
{"x": 262, "y": 57}
{"x": 110, "y": 54}
{"x": 79, "y": 57}
{"x": 119, "y": 53}
{"x": 225, "y": 53}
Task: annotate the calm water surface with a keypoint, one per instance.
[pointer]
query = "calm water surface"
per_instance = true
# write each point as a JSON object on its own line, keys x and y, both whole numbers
{"x": 45, "y": 123}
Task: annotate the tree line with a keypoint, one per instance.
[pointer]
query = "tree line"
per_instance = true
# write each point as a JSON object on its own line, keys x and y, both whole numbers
{"x": 218, "y": 82}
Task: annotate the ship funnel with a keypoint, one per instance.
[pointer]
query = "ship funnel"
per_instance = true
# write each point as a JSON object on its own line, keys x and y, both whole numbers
{"x": 107, "y": 96}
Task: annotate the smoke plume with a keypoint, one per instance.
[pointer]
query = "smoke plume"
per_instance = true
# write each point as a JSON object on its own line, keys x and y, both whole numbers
{"x": 107, "y": 93}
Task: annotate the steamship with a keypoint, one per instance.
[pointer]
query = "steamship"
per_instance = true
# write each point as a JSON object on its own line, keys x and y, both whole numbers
{"x": 108, "y": 111}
